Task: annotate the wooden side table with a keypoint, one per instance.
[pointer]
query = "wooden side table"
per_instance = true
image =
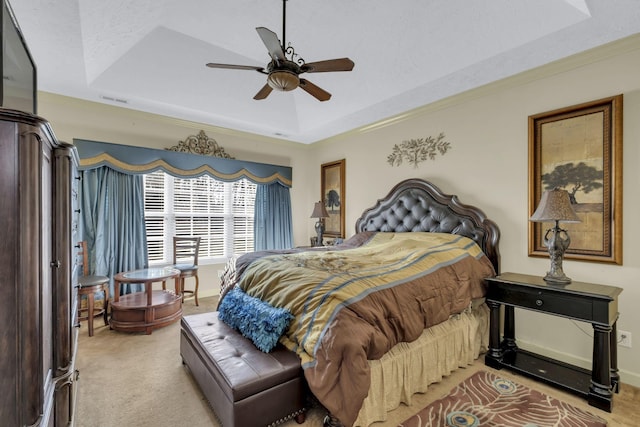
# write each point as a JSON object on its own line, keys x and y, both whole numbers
{"x": 148, "y": 310}
{"x": 596, "y": 304}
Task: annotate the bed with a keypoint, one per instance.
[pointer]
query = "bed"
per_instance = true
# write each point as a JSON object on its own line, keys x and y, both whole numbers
{"x": 392, "y": 309}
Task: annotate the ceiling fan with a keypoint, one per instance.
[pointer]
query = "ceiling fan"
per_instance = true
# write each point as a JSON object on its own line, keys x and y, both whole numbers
{"x": 283, "y": 72}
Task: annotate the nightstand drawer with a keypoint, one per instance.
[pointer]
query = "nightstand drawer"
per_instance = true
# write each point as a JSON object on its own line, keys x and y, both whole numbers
{"x": 547, "y": 302}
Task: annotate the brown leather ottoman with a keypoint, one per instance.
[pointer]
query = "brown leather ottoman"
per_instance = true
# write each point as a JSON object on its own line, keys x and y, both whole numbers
{"x": 244, "y": 386}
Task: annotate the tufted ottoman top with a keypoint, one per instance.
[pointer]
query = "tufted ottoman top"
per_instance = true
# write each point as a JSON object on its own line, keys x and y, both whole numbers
{"x": 239, "y": 368}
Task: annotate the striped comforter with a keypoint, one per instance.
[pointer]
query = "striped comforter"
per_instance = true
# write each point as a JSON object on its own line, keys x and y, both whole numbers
{"x": 354, "y": 304}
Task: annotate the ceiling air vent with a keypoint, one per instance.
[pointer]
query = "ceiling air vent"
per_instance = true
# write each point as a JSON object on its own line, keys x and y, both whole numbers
{"x": 112, "y": 99}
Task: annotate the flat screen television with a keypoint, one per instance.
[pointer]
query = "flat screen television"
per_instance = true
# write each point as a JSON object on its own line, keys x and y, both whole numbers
{"x": 19, "y": 85}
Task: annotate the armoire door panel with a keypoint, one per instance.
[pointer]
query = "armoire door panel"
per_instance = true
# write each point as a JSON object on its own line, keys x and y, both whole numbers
{"x": 37, "y": 369}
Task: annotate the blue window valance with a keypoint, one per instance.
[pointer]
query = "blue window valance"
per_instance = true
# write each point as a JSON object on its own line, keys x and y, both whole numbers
{"x": 140, "y": 160}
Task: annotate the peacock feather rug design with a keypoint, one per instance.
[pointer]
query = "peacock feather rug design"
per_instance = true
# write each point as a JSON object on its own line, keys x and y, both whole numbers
{"x": 487, "y": 400}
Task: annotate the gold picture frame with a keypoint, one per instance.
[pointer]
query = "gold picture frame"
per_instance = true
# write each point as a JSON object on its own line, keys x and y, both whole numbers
{"x": 333, "y": 197}
{"x": 579, "y": 149}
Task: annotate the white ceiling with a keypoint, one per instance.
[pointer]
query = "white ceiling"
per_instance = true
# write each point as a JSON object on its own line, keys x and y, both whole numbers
{"x": 151, "y": 54}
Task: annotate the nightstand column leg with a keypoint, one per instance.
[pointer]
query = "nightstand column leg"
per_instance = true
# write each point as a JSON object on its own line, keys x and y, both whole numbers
{"x": 613, "y": 346}
{"x": 600, "y": 394}
{"x": 509, "y": 340}
{"x": 495, "y": 350}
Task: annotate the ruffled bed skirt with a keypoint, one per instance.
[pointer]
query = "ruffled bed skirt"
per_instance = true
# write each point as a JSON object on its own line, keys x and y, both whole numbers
{"x": 409, "y": 368}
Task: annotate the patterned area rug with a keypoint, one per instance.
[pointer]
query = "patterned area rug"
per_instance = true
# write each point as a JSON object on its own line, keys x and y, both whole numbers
{"x": 484, "y": 399}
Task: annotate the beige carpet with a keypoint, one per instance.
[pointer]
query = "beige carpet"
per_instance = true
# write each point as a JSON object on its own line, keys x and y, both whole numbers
{"x": 131, "y": 379}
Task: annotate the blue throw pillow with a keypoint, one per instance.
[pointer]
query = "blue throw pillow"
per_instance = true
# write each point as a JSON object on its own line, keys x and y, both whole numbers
{"x": 253, "y": 318}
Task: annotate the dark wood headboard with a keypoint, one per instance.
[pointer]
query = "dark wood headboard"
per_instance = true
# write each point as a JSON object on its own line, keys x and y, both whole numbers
{"x": 418, "y": 205}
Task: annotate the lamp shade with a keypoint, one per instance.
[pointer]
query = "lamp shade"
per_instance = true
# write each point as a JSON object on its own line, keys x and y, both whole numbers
{"x": 555, "y": 205}
{"x": 319, "y": 211}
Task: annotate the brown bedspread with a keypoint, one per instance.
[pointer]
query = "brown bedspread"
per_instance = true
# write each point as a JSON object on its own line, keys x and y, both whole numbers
{"x": 348, "y": 311}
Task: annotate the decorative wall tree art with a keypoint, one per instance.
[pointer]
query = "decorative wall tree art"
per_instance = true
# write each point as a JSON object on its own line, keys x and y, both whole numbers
{"x": 415, "y": 151}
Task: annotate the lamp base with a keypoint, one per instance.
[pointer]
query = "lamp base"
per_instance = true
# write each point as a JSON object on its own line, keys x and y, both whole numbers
{"x": 556, "y": 279}
{"x": 319, "y": 231}
{"x": 557, "y": 241}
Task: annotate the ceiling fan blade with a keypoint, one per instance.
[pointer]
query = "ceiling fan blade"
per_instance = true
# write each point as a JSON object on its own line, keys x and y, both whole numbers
{"x": 340, "y": 64}
{"x": 315, "y": 91}
{"x": 270, "y": 40}
{"x": 264, "y": 92}
{"x": 236, "y": 67}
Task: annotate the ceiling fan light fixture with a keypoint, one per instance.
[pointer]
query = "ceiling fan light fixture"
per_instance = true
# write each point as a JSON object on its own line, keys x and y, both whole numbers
{"x": 283, "y": 80}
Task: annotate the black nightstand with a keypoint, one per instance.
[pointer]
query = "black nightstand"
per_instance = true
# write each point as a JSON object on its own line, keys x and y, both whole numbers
{"x": 596, "y": 304}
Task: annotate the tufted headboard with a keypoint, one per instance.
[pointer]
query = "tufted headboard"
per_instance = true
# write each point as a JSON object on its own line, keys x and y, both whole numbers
{"x": 418, "y": 205}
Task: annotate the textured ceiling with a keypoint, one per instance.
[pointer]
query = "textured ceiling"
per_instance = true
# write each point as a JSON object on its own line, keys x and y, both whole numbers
{"x": 150, "y": 55}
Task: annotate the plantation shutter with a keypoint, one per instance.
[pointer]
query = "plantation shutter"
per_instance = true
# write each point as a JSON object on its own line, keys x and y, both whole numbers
{"x": 243, "y": 204}
{"x": 155, "y": 215}
{"x": 220, "y": 213}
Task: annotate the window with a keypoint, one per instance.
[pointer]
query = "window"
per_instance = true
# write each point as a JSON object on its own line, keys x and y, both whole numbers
{"x": 221, "y": 213}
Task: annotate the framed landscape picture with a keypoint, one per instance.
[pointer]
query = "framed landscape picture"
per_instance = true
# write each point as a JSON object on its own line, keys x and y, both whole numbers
{"x": 333, "y": 197}
{"x": 579, "y": 149}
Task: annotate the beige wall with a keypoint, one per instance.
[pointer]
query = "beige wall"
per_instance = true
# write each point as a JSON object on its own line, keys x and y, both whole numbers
{"x": 486, "y": 167}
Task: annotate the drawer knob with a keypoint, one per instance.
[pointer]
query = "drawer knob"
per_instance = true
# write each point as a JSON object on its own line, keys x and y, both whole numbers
{"x": 539, "y": 302}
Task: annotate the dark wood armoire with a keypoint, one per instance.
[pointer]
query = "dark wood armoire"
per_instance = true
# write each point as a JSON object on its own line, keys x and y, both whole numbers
{"x": 38, "y": 303}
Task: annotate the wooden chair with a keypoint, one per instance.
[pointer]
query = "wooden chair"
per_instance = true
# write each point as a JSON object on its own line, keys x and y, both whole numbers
{"x": 185, "y": 259}
{"x": 89, "y": 285}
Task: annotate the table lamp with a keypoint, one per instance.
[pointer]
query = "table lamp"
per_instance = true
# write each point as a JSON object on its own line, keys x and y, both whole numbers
{"x": 555, "y": 206}
{"x": 320, "y": 212}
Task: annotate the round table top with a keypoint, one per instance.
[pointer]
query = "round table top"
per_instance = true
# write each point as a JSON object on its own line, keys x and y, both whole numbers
{"x": 147, "y": 275}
